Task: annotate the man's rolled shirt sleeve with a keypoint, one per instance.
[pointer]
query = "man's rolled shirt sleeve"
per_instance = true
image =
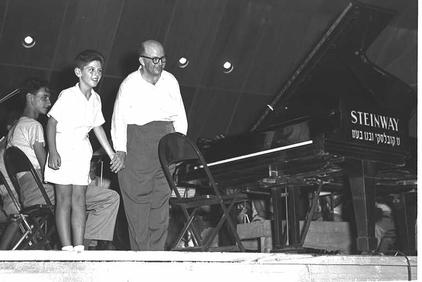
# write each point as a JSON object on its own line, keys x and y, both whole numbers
{"x": 118, "y": 123}
{"x": 180, "y": 122}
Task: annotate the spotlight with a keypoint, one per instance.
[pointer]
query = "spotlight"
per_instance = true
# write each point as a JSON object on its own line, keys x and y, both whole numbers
{"x": 227, "y": 67}
{"x": 28, "y": 42}
{"x": 183, "y": 62}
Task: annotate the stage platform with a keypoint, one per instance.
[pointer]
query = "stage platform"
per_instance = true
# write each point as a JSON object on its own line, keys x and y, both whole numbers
{"x": 181, "y": 266}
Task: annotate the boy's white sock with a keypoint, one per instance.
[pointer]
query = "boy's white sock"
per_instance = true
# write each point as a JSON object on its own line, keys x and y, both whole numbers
{"x": 67, "y": 248}
{"x": 79, "y": 248}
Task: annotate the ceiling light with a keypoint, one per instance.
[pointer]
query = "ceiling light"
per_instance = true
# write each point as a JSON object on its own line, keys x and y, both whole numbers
{"x": 183, "y": 62}
{"x": 28, "y": 42}
{"x": 227, "y": 67}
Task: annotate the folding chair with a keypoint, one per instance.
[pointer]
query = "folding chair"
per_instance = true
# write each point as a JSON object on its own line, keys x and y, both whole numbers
{"x": 17, "y": 221}
{"x": 36, "y": 222}
{"x": 174, "y": 149}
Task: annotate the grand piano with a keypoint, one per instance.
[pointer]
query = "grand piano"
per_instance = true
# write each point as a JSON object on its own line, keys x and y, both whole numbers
{"x": 337, "y": 121}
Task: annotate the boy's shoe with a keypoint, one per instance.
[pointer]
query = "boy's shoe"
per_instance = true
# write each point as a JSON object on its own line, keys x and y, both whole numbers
{"x": 67, "y": 248}
{"x": 79, "y": 248}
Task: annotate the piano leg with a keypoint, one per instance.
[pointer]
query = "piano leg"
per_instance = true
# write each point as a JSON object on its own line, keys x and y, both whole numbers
{"x": 292, "y": 221}
{"x": 276, "y": 192}
{"x": 292, "y": 216}
{"x": 404, "y": 208}
{"x": 362, "y": 184}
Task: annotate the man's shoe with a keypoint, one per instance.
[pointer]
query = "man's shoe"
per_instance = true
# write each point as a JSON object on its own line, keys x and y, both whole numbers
{"x": 103, "y": 245}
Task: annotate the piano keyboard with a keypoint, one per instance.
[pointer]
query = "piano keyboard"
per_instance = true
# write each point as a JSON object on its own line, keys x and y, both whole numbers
{"x": 260, "y": 153}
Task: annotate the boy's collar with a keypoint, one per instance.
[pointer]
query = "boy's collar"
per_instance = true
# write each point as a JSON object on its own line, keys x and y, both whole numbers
{"x": 2, "y": 140}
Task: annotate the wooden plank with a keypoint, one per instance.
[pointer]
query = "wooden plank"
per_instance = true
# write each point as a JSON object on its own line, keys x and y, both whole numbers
{"x": 183, "y": 266}
{"x": 254, "y": 229}
{"x": 324, "y": 235}
{"x": 329, "y": 235}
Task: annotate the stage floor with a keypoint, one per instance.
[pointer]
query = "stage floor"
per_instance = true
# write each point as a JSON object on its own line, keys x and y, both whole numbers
{"x": 182, "y": 266}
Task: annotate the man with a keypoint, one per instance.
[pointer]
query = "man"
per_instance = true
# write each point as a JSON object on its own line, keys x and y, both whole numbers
{"x": 27, "y": 134}
{"x": 148, "y": 106}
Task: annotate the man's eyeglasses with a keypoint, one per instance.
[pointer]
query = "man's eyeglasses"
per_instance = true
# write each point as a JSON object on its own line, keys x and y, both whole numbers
{"x": 156, "y": 60}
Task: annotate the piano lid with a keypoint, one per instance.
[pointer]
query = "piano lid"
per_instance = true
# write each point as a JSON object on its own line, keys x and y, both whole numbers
{"x": 336, "y": 71}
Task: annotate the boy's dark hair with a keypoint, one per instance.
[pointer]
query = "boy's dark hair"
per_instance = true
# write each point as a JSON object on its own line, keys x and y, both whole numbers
{"x": 12, "y": 109}
{"x": 32, "y": 85}
{"x": 87, "y": 56}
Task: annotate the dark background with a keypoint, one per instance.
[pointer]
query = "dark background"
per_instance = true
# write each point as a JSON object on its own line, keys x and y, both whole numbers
{"x": 264, "y": 39}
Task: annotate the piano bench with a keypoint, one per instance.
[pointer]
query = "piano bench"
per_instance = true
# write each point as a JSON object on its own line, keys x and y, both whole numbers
{"x": 256, "y": 236}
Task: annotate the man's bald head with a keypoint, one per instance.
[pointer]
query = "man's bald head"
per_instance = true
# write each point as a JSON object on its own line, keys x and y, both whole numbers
{"x": 152, "y": 59}
{"x": 150, "y": 46}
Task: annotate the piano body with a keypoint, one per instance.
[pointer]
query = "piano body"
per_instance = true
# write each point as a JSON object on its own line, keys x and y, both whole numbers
{"x": 335, "y": 123}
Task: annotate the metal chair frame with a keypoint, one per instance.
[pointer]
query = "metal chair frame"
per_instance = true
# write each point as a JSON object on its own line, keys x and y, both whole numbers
{"x": 170, "y": 154}
{"x": 36, "y": 222}
{"x": 20, "y": 217}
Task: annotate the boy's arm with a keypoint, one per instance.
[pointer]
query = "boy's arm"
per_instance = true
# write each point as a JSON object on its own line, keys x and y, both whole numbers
{"x": 41, "y": 154}
{"x": 117, "y": 162}
{"x": 54, "y": 160}
{"x": 102, "y": 138}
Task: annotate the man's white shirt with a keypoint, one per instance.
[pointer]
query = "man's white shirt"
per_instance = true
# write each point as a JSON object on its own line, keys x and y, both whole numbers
{"x": 140, "y": 102}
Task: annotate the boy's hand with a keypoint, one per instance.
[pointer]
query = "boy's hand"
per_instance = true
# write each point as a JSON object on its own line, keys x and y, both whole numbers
{"x": 54, "y": 160}
{"x": 118, "y": 161}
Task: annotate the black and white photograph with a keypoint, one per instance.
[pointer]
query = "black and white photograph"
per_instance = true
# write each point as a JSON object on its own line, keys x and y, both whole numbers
{"x": 208, "y": 140}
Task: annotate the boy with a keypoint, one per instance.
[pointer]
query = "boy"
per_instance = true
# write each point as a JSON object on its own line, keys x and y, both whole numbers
{"x": 76, "y": 112}
{"x": 101, "y": 204}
